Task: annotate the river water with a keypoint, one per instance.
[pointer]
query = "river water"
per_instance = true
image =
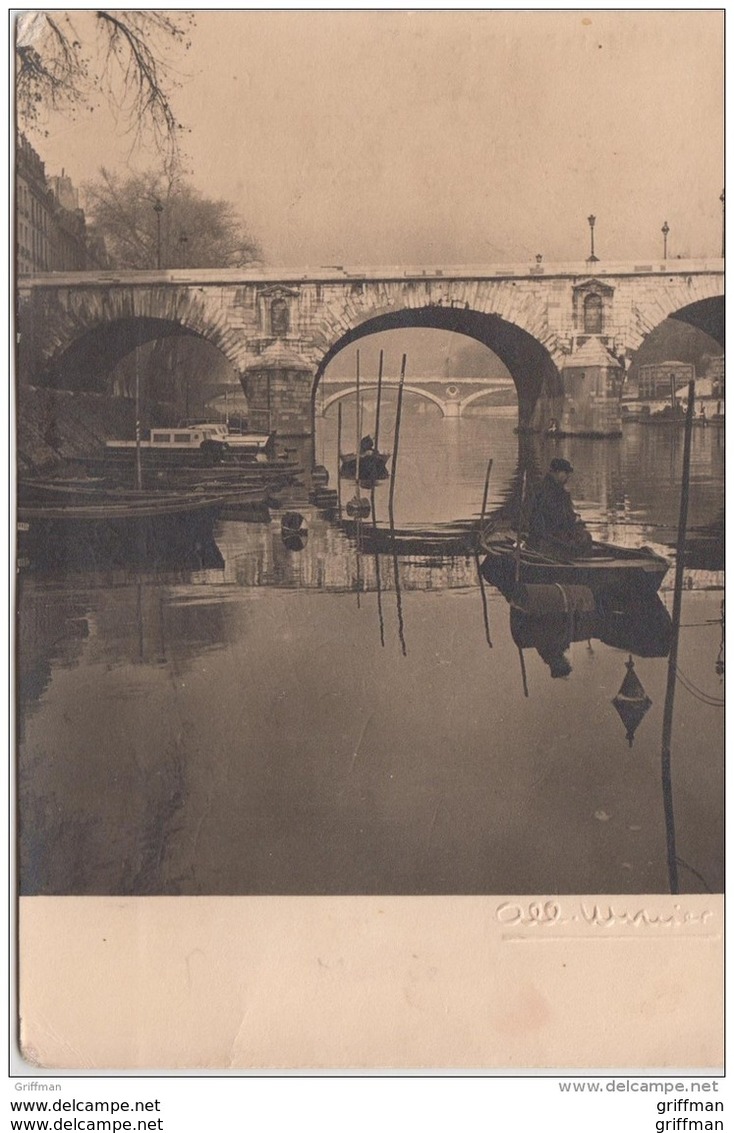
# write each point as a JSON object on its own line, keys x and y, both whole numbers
{"x": 356, "y": 716}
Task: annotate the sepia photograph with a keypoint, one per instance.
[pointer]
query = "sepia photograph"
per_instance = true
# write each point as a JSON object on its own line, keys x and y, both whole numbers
{"x": 369, "y": 445}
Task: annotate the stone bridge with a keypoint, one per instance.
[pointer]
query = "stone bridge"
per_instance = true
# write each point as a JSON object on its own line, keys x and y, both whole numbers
{"x": 451, "y": 396}
{"x": 566, "y": 332}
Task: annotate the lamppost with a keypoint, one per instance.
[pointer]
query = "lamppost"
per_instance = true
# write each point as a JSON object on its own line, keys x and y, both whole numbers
{"x": 723, "y": 227}
{"x": 158, "y": 209}
{"x": 592, "y": 222}
{"x": 539, "y": 258}
{"x": 665, "y": 230}
{"x": 182, "y": 242}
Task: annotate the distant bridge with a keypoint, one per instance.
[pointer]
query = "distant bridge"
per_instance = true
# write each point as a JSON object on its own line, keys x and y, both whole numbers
{"x": 564, "y": 331}
{"x": 450, "y": 395}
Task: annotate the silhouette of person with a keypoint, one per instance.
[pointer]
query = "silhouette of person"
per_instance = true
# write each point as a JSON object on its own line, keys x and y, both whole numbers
{"x": 551, "y": 523}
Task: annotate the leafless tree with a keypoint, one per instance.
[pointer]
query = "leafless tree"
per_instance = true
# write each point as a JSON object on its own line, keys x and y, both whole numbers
{"x": 152, "y": 217}
{"x": 69, "y": 61}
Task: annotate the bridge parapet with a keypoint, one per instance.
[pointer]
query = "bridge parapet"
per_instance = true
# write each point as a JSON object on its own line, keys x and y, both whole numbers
{"x": 339, "y": 274}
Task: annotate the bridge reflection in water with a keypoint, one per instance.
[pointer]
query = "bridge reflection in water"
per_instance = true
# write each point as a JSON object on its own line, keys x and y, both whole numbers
{"x": 352, "y": 717}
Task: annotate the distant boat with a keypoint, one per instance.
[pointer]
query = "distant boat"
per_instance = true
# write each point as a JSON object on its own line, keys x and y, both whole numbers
{"x": 206, "y": 443}
{"x": 372, "y": 466}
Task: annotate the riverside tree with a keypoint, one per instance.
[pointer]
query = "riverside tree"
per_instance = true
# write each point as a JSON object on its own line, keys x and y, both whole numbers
{"x": 149, "y": 218}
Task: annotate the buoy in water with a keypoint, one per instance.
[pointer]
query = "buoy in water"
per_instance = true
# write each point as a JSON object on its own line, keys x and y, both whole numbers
{"x": 631, "y": 702}
{"x": 359, "y": 506}
{"x": 292, "y": 524}
{"x": 295, "y": 542}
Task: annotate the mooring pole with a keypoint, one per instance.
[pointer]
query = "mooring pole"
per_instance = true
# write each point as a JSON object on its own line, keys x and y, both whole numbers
{"x": 483, "y": 593}
{"x": 673, "y": 655}
{"x": 396, "y": 442}
{"x": 391, "y": 514}
{"x": 358, "y": 415}
{"x": 379, "y": 402}
{"x": 523, "y": 672}
{"x": 519, "y": 523}
{"x": 339, "y": 456}
{"x": 378, "y": 576}
{"x": 486, "y": 494}
{"x": 138, "y": 455}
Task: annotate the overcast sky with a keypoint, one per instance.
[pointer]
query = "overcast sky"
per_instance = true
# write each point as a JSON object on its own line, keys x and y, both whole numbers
{"x": 447, "y": 137}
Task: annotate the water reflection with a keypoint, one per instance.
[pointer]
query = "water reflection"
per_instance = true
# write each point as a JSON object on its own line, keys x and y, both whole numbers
{"x": 183, "y": 542}
{"x": 549, "y": 618}
{"x": 334, "y": 705}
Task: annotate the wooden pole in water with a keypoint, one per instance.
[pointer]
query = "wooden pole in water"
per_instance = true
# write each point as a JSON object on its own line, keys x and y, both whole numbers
{"x": 486, "y": 494}
{"x": 523, "y": 672}
{"x": 358, "y": 416}
{"x": 397, "y": 434}
{"x": 339, "y": 455}
{"x": 378, "y": 578}
{"x": 485, "y": 608}
{"x": 391, "y": 514}
{"x": 673, "y": 655}
{"x": 519, "y": 521}
{"x": 138, "y": 457}
{"x": 379, "y": 403}
{"x": 358, "y": 535}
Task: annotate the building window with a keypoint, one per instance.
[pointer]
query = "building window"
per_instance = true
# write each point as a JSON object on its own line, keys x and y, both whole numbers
{"x": 592, "y": 314}
{"x": 279, "y": 318}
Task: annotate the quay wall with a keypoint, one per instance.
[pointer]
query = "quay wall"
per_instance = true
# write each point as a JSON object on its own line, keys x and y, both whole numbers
{"x": 55, "y": 426}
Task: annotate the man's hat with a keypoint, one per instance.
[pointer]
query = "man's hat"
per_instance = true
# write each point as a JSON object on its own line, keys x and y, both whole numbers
{"x": 560, "y": 465}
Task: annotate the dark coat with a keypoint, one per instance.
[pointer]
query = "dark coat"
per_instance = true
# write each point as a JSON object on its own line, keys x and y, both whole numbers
{"x": 550, "y": 513}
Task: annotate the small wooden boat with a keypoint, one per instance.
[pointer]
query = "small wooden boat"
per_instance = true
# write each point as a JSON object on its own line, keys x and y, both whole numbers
{"x": 119, "y": 529}
{"x": 436, "y": 543}
{"x": 609, "y": 568}
{"x": 372, "y": 467}
{"x": 80, "y": 500}
{"x": 110, "y": 508}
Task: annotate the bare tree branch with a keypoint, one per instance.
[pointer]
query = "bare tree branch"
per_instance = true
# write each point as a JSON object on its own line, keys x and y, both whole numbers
{"x": 64, "y": 65}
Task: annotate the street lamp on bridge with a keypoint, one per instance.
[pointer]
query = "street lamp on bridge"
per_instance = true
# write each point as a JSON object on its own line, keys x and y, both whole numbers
{"x": 158, "y": 209}
{"x": 592, "y": 221}
{"x": 723, "y": 227}
{"x": 182, "y": 242}
{"x": 665, "y": 230}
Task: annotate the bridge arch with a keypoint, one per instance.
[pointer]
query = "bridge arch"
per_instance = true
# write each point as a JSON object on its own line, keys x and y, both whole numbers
{"x": 532, "y": 362}
{"x": 694, "y": 299}
{"x": 706, "y": 315}
{"x": 371, "y": 386}
{"x": 472, "y": 397}
{"x": 85, "y": 333}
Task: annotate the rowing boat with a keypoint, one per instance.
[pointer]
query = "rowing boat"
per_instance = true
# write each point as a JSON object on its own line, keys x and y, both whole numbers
{"x": 608, "y": 568}
{"x": 372, "y": 466}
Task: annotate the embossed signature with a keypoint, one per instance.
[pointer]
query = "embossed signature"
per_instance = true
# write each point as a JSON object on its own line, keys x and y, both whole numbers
{"x": 537, "y": 914}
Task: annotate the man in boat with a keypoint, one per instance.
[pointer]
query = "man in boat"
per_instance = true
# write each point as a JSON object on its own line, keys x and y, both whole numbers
{"x": 552, "y": 526}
